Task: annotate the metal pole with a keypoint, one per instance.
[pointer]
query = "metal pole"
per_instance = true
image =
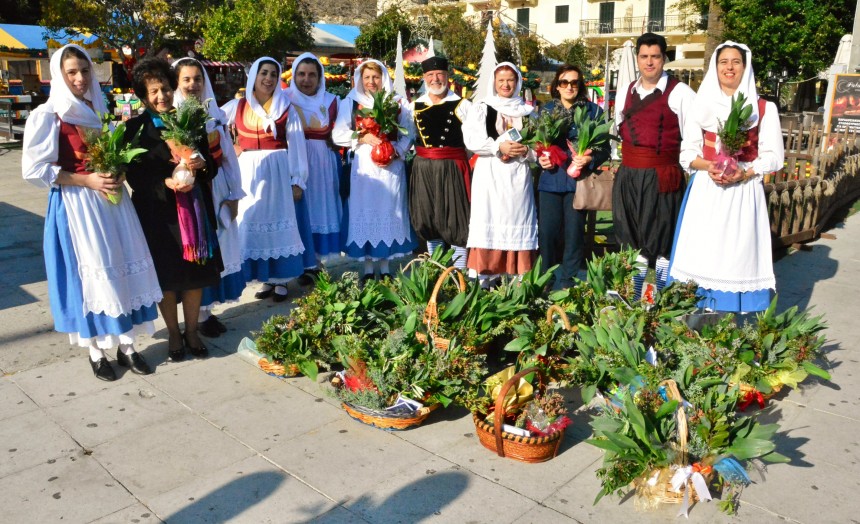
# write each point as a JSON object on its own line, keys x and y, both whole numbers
{"x": 606, "y": 83}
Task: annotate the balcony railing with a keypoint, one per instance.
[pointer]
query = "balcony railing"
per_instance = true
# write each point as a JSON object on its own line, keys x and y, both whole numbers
{"x": 637, "y": 25}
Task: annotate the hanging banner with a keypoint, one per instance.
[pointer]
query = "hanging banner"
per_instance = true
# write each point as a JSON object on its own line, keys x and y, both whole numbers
{"x": 845, "y": 104}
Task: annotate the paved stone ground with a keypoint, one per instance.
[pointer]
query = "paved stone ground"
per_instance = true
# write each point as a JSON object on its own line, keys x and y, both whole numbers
{"x": 217, "y": 440}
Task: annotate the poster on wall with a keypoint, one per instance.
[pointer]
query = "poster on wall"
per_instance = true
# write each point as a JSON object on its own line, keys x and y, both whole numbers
{"x": 845, "y": 105}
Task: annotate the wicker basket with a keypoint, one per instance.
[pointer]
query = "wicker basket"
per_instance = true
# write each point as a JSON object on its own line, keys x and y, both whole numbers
{"x": 383, "y": 419}
{"x": 661, "y": 492}
{"x": 279, "y": 370}
{"x": 431, "y": 315}
{"x": 524, "y": 449}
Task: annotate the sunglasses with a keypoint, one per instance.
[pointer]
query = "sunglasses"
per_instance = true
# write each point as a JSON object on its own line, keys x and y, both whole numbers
{"x": 565, "y": 83}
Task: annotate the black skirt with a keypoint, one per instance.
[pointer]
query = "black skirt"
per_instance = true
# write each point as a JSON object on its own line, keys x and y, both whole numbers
{"x": 644, "y": 218}
{"x": 438, "y": 205}
{"x": 155, "y": 204}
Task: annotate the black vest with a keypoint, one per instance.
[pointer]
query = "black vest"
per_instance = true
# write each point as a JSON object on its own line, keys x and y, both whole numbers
{"x": 492, "y": 115}
{"x": 438, "y": 125}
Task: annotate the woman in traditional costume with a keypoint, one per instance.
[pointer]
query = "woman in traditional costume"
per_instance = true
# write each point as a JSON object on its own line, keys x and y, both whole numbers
{"x": 378, "y": 225}
{"x": 723, "y": 236}
{"x": 178, "y": 219}
{"x": 226, "y": 191}
{"x": 503, "y": 233}
{"x": 101, "y": 279}
{"x": 318, "y": 112}
{"x": 273, "y": 160}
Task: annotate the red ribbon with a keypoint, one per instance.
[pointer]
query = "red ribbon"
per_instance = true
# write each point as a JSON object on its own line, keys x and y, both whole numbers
{"x": 556, "y": 156}
{"x": 699, "y": 468}
{"x": 749, "y": 398}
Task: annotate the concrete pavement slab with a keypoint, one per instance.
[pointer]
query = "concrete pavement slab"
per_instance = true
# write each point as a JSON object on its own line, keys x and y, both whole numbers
{"x": 435, "y": 490}
{"x": 13, "y": 401}
{"x": 30, "y": 439}
{"x": 339, "y": 515}
{"x": 161, "y": 457}
{"x": 74, "y": 488}
{"x": 60, "y": 382}
{"x": 115, "y": 413}
{"x": 344, "y": 458}
{"x": 263, "y": 420}
{"x": 251, "y": 490}
{"x": 134, "y": 514}
{"x": 204, "y": 383}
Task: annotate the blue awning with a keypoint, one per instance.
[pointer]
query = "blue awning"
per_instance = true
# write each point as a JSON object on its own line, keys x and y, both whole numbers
{"x": 16, "y": 36}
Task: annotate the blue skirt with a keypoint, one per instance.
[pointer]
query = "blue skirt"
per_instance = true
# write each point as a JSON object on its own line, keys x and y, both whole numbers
{"x": 728, "y": 301}
{"x": 281, "y": 268}
{"x": 303, "y": 218}
{"x": 380, "y": 251}
{"x": 64, "y": 284}
{"x": 229, "y": 289}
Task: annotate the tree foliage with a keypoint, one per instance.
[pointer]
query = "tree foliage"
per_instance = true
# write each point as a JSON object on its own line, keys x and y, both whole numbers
{"x": 571, "y": 51}
{"x": 245, "y": 30}
{"x": 799, "y": 36}
{"x": 378, "y": 39}
{"x": 136, "y": 23}
{"x": 462, "y": 38}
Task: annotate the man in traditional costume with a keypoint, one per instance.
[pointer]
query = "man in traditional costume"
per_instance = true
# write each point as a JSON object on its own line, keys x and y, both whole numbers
{"x": 649, "y": 185}
{"x": 440, "y": 181}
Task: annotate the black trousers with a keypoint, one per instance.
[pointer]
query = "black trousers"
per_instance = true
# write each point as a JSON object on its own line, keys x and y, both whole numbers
{"x": 561, "y": 232}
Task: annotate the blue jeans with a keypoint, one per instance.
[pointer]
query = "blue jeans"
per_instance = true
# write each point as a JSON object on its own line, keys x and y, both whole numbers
{"x": 561, "y": 232}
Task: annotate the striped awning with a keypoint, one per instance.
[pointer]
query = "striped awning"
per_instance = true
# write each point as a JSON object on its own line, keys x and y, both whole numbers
{"x": 213, "y": 63}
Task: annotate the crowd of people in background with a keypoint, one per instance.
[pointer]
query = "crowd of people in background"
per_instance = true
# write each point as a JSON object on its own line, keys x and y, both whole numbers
{"x": 286, "y": 180}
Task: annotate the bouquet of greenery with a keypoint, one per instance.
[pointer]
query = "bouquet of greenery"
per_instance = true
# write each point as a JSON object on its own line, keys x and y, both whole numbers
{"x": 109, "y": 152}
{"x": 664, "y": 445}
{"x": 733, "y": 133}
{"x": 380, "y": 371}
{"x": 184, "y": 129}
{"x": 380, "y": 120}
{"x": 591, "y": 133}
{"x": 541, "y": 132}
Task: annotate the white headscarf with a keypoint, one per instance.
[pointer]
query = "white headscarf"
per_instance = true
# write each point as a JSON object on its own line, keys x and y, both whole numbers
{"x": 219, "y": 118}
{"x": 357, "y": 93}
{"x": 66, "y": 105}
{"x": 712, "y": 105}
{"x": 513, "y": 106}
{"x": 319, "y": 102}
{"x": 280, "y": 101}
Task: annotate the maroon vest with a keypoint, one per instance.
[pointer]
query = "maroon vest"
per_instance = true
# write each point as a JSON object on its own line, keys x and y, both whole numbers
{"x": 72, "y": 153}
{"x": 649, "y": 122}
{"x": 324, "y": 132}
{"x": 257, "y": 138}
{"x": 748, "y": 152}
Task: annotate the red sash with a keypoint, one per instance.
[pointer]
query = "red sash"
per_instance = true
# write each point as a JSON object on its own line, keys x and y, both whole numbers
{"x": 664, "y": 162}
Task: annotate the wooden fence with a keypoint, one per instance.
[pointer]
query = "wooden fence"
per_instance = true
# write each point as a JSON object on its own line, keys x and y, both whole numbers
{"x": 821, "y": 176}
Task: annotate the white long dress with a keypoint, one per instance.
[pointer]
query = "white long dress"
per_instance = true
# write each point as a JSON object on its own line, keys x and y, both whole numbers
{"x": 270, "y": 243}
{"x": 723, "y": 242}
{"x": 378, "y": 207}
{"x": 503, "y": 207}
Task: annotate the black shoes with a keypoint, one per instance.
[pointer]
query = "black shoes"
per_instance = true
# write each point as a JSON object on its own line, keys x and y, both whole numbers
{"x": 279, "y": 293}
{"x": 199, "y": 352}
{"x": 211, "y": 327}
{"x": 134, "y": 362}
{"x": 177, "y": 355}
{"x": 265, "y": 292}
{"x": 102, "y": 369}
{"x": 308, "y": 277}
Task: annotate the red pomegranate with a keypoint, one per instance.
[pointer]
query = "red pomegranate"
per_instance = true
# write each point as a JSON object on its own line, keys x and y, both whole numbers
{"x": 383, "y": 153}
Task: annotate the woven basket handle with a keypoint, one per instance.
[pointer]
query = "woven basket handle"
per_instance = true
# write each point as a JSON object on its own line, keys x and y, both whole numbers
{"x": 499, "y": 414}
{"x": 561, "y": 313}
{"x": 431, "y": 313}
{"x": 674, "y": 394}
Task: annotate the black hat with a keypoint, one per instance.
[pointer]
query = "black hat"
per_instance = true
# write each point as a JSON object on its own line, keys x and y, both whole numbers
{"x": 434, "y": 63}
